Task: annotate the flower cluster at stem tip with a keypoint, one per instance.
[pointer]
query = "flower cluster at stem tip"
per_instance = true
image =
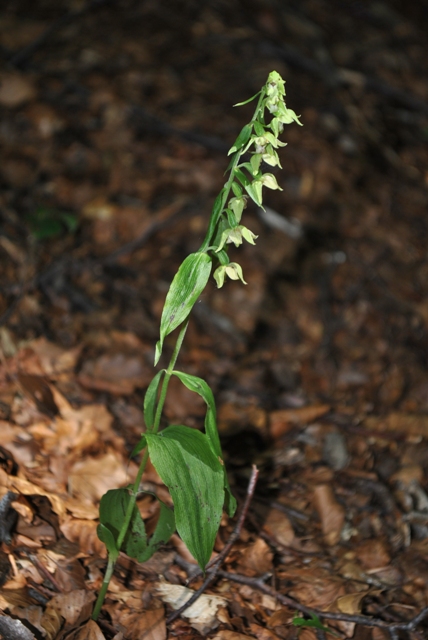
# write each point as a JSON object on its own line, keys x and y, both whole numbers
{"x": 246, "y": 179}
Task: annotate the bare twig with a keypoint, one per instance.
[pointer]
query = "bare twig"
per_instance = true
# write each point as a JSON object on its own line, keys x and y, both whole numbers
{"x": 392, "y": 628}
{"x": 214, "y": 565}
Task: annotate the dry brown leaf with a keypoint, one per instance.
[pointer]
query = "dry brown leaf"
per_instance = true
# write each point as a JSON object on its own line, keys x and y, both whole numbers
{"x": 84, "y": 533}
{"x": 28, "y": 488}
{"x": 279, "y": 526}
{"x": 331, "y": 513}
{"x": 314, "y": 586}
{"x": 201, "y": 614}
{"x": 15, "y": 90}
{"x": 89, "y": 631}
{"x": 81, "y": 509}
{"x": 373, "y": 554}
{"x": 283, "y": 420}
{"x": 142, "y": 625}
{"x": 410, "y": 424}
{"x": 53, "y": 358}
{"x": 256, "y": 558}
{"x": 351, "y": 603}
{"x": 408, "y": 474}
{"x": 116, "y": 373}
{"x": 75, "y": 607}
{"x": 51, "y": 621}
{"x": 261, "y": 633}
{"x": 225, "y": 634}
{"x": 92, "y": 477}
{"x": 307, "y": 634}
{"x": 74, "y": 429}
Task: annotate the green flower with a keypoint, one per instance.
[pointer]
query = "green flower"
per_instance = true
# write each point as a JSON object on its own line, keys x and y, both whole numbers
{"x": 233, "y": 270}
{"x": 236, "y": 235}
{"x": 268, "y": 180}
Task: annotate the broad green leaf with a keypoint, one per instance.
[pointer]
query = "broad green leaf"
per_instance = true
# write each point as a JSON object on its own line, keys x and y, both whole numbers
{"x": 150, "y": 399}
{"x": 142, "y": 444}
{"x": 242, "y": 139}
{"x": 185, "y": 289}
{"x": 164, "y": 529}
{"x": 194, "y": 476}
{"x": 106, "y": 536}
{"x": 199, "y": 386}
{"x": 113, "y": 508}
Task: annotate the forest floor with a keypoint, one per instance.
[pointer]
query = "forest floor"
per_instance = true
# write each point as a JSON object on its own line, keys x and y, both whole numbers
{"x": 115, "y": 121}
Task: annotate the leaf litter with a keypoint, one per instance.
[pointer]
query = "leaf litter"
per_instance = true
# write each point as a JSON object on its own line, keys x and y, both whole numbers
{"x": 318, "y": 364}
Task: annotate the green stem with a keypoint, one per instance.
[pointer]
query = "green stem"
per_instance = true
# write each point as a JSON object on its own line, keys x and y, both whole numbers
{"x": 102, "y": 593}
{"x": 227, "y": 187}
{"x": 167, "y": 378}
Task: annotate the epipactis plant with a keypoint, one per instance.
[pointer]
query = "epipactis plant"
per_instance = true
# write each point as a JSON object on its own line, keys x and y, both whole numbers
{"x": 190, "y": 462}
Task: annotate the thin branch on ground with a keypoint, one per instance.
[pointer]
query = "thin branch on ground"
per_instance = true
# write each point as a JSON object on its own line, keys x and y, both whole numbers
{"x": 214, "y": 565}
{"x": 391, "y": 627}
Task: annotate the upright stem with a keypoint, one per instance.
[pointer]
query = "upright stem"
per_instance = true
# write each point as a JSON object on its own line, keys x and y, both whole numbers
{"x": 102, "y": 593}
{"x": 167, "y": 378}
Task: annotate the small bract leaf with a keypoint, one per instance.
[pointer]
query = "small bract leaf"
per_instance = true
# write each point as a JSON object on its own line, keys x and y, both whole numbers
{"x": 106, "y": 536}
{"x": 185, "y": 289}
{"x": 242, "y": 177}
{"x": 150, "y": 399}
{"x": 254, "y": 190}
{"x": 194, "y": 476}
{"x": 240, "y": 104}
{"x": 242, "y": 139}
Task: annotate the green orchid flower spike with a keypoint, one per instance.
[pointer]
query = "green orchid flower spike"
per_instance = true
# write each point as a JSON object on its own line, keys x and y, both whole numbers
{"x": 190, "y": 462}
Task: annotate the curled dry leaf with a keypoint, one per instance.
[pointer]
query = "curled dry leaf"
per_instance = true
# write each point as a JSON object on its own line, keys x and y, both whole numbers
{"x": 89, "y": 631}
{"x": 279, "y": 526}
{"x": 373, "y": 554}
{"x": 51, "y": 622}
{"x": 19, "y": 485}
{"x": 201, "y": 614}
{"x": 331, "y": 513}
{"x": 84, "y": 533}
{"x": 116, "y": 373}
{"x": 256, "y": 558}
{"x": 75, "y": 607}
{"x": 141, "y": 625}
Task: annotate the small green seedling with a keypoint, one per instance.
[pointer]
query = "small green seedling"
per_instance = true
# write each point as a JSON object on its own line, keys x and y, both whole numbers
{"x": 46, "y": 223}
{"x": 313, "y": 622}
{"x": 190, "y": 462}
